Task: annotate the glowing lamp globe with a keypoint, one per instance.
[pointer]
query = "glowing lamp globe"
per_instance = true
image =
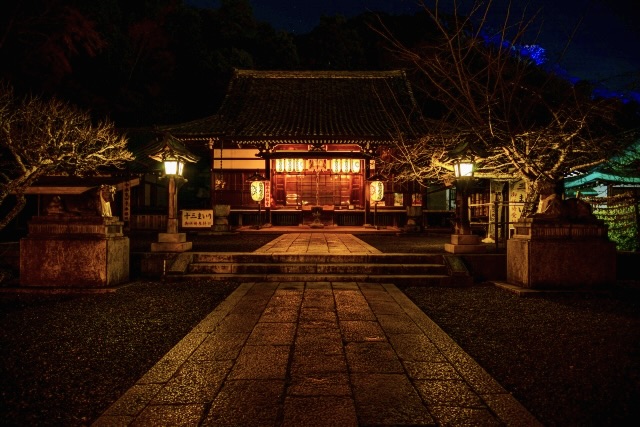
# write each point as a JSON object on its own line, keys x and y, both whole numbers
{"x": 173, "y": 167}
{"x": 464, "y": 168}
{"x": 376, "y": 190}
{"x": 257, "y": 191}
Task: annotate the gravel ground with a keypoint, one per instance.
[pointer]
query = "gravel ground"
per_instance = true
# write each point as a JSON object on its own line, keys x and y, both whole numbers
{"x": 65, "y": 358}
{"x": 572, "y": 360}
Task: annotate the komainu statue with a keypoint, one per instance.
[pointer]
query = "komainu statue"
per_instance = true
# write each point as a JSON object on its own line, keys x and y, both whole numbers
{"x": 106, "y": 195}
{"x": 95, "y": 202}
{"x": 569, "y": 210}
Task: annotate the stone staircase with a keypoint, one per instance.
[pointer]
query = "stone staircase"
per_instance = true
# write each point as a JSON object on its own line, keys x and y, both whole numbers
{"x": 400, "y": 269}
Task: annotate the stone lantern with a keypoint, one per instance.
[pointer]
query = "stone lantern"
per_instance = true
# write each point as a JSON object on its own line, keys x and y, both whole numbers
{"x": 463, "y": 240}
{"x": 173, "y": 156}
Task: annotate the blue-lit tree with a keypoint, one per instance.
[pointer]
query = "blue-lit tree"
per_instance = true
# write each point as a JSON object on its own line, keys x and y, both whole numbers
{"x": 492, "y": 93}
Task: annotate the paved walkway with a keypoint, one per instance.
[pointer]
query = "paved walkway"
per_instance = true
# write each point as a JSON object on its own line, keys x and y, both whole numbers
{"x": 323, "y": 243}
{"x": 316, "y": 354}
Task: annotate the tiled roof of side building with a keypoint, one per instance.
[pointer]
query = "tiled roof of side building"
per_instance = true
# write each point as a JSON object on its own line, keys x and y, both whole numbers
{"x": 336, "y": 105}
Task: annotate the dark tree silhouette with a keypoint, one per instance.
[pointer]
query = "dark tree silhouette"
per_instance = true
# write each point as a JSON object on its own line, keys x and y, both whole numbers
{"x": 527, "y": 122}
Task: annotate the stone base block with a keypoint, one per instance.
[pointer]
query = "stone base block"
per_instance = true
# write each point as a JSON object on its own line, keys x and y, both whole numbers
{"x": 464, "y": 249}
{"x": 465, "y": 239}
{"x": 171, "y": 242}
{"x": 172, "y": 237}
{"x": 74, "y": 261}
{"x": 465, "y": 244}
{"x": 561, "y": 263}
{"x": 171, "y": 246}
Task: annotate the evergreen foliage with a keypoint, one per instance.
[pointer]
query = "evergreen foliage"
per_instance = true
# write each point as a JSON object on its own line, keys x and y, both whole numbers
{"x": 621, "y": 213}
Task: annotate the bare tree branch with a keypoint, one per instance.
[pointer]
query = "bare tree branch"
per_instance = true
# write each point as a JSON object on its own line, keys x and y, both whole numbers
{"x": 531, "y": 124}
{"x": 49, "y": 137}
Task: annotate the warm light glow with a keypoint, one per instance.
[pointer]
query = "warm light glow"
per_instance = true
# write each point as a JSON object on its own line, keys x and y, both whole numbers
{"x": 289, "y": 165}
{"x": 318, "y": 165}
{"x": 173, "y": 167}
{"x": 376, "y": 191}
{"x": 335, "y": 165}
{"x": 346, "y": 165}
{"x": 257, "y": 191}
{"x": 463, "y": 169}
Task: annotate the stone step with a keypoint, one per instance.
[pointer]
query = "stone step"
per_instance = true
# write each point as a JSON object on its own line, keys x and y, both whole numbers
{"x": 315, "y": 268}
{"x": 253, "y": 257}
{"x": 402, "y": 280}
{"x": 400, "y": 269}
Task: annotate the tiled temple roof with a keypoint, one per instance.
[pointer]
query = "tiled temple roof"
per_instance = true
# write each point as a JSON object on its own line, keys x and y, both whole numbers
{"x": 337, "y": 106}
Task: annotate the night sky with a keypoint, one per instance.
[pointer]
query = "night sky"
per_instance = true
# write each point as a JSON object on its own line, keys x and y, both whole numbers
{"x": 605, "y": 44}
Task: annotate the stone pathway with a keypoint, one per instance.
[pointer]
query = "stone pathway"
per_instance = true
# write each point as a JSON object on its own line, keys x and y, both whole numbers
{"x": 316, "y": 354}
{"x": 312, "y": 353}
{"x": 321, "y": 243}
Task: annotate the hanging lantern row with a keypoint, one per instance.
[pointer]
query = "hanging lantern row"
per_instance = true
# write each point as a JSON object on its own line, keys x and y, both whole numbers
{"x": 316, "y": 165}
{"x": 289, "y": 165}
{"x": 345, "y": 165}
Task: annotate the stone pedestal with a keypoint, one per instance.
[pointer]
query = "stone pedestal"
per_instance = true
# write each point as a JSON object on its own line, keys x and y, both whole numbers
{"x": 67, "y": 251}
{"x": 221, "y": 217}
{"x": 414, "y": 219}
{"x": 465, "y": 244}
{"x": 171, "y": 242}
{"x": 547, "y": 254}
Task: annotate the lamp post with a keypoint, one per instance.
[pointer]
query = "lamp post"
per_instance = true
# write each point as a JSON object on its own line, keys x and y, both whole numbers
{"x": 376, "y": 194}
{"x": 173, "y": 168}
{"x": 257, "y": 193}
{"x": 463, "y": 170}
{"x": 173, "y": 156}
{"x": 463, "y": 240}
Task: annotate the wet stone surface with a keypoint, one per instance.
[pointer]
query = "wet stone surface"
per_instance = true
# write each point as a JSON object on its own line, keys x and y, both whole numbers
{"x": 296, "y": 353}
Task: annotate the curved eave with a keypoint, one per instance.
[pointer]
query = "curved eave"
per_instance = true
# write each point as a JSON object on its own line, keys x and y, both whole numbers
{"x": 595, "y": 178}
{"x": 309, "y": 140}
